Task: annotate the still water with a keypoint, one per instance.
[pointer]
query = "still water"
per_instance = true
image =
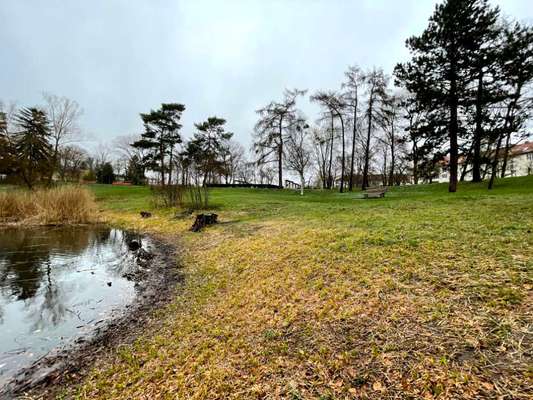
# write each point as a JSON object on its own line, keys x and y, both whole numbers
{"x": 57, "y": 284}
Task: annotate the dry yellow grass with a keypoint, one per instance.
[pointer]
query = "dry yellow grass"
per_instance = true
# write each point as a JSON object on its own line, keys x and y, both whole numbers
{"x": 61, "y": 205}
{"x": 415, "y": 298}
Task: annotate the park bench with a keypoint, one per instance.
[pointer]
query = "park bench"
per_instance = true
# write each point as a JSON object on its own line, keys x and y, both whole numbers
{"x": 375, "y": 192}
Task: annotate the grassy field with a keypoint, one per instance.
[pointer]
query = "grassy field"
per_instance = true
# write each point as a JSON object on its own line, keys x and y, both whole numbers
{"x": 423, "y": 294}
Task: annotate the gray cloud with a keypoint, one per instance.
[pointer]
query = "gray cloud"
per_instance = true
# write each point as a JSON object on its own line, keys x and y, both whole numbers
{"x": 118, "y": 58}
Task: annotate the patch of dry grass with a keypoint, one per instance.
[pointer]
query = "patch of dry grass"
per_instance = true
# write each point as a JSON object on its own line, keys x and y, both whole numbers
{"x": 61, "y": 205}
{"x": 410, "y": 298}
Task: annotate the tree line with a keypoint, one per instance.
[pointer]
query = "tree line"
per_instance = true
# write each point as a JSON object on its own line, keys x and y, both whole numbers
{"x": 457, "y": 105}
{"x": 36, "y": 143}
{"x": 462, "y": 100}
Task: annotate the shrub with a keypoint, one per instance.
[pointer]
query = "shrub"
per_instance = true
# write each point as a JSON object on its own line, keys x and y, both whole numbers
{"x": 57, "y": 206}
{"x": 105, "y": 173}
{"x": 168, "y": 196}
{"x": 198, "y": 197}
{"x": 191, "y": 197}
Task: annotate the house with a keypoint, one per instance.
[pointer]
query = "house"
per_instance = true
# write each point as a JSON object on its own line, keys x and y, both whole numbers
{"x": 519, "y": 163}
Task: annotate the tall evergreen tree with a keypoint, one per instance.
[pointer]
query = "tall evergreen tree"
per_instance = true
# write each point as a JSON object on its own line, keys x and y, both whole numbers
{"x": 209, "y": 146}
{"x": 516, "y": 62}
{"x": 443, "y": 58}
{"x": 31, "y": 145}
{"x": 483, "y": 54}
{"x": 160, "y": 137}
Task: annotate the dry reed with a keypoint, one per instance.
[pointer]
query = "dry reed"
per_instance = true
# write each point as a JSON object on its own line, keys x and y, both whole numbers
{"x": 57, "y": 206}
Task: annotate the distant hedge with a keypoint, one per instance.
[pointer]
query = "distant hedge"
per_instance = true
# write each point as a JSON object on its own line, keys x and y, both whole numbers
{"x": 244, "y": 185}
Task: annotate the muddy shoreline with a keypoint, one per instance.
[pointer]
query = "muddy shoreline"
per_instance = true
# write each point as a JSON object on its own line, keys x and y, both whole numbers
{"x": 67, "y": 365}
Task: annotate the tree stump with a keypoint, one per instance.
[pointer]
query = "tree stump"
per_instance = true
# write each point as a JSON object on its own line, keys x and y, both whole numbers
{"x": 203, "y": 220}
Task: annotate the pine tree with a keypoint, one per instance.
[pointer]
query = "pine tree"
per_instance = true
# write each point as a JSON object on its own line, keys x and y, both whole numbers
{"x": 161, "y": 135}
{"x": 516, "y": 61}
{"x": 31, "y": 145}
{"x": 208, "y": 147}
{"x": 443, "y": 58}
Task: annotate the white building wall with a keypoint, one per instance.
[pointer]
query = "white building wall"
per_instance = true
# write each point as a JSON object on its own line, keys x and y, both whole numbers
{"x": 519, "y": 165}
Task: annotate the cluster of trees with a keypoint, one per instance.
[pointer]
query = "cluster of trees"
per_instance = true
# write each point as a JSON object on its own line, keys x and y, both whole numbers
{"x": 37, "y": 146}
{"x": 355, "y": 141}
{"x": 209, "y": 156}
{"x": 465, "y": 95}
{"x": 458, "y": 105}
{"x": 36, "y": 142}
{"x": 469, "y": 84}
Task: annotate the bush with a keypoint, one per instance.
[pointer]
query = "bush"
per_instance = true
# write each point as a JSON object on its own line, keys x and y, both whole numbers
{"x": 190, "y": 197}
{"x": 168, "y": 196}
{"x": 198, "y": 197}
{"x": 58, "y": 206}
{"x": 105, "y": 174}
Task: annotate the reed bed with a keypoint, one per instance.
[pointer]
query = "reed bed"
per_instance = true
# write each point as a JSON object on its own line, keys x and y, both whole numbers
{"x": 56, "y": 206}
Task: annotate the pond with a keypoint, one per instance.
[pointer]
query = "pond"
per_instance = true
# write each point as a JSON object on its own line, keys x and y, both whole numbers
{"x": 56, "y": 285}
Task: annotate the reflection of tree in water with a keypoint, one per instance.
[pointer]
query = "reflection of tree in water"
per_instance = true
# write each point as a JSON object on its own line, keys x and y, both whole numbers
{"x": 20, "y": 261}
{"x": 31, "y": 262}
{"x": 25, "y": 257}
{"x": 110, "y": 248}
{"x": 52, "y": 309}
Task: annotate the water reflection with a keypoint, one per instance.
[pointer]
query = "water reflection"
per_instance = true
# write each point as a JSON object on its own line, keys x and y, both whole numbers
{"x": 56, "y": 284}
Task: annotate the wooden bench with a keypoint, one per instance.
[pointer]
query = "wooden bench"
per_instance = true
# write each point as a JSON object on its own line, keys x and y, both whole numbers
{"x": 375, "y": 192}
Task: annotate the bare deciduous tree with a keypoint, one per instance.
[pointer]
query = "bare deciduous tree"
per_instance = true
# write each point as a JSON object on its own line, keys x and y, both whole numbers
{"x": 63, "y": 114}
{"x": 376, "y": 85}
{"x": 352, "y": 87}
{"x": 336, "y": 106}
{"x": 391, "y": 109}
{"x": 299, "y": 152}
{"x": 275, "y": 120}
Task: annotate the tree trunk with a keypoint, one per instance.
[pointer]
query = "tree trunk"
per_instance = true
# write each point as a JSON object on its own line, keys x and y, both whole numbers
{"x": 506, "y": 154}
{"x": 495, "y": 162}
{"x": 367, "y": 146}
{"x": 466, "y": 162}
{"x": 170, "y": 168}
{"x": 476, "y": 165}
{"x": 392, "y": 156}
{"x": 509, "y": 122}
{"x": 162, "y": 163}
{"x": 342, "y": 157}
{"x": 330, "y": 177}
{"x": 354, "y": 134}
{"x": 280, "y": 155}
{"x": 415, "y": 162}
{"x": 302, "y": 184}
{"x": 454, "y": 128}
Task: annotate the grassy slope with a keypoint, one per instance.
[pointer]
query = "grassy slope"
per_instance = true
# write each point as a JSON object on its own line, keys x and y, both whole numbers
{"x": 420, "y": 294}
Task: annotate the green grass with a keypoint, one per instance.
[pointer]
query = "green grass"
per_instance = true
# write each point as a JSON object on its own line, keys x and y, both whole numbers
{"x": 265, "y": 203}
{"x": 422, "y": 294}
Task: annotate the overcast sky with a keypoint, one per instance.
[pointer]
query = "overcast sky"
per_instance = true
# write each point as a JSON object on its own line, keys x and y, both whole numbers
{"x": 226, "y": 58}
